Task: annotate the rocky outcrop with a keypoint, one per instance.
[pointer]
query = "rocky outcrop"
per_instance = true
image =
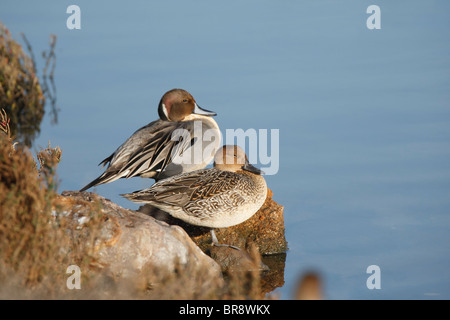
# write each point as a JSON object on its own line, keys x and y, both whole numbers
{"x": 130, "y": 242}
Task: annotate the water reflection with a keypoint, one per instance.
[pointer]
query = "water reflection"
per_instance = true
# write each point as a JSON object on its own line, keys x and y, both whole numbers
{"x": 273, "y": 278}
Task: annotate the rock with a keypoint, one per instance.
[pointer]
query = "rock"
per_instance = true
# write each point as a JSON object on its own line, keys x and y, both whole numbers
{"x": 130, "y": 242}
{"x": 265, "y": 229}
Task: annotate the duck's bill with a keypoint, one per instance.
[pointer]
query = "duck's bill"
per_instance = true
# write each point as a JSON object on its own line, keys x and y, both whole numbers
{"x": 250, "y": 168}
{"x": 203, "y": 112}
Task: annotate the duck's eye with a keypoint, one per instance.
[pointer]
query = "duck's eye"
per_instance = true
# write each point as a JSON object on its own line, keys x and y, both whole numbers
{"x": 185, "y": 100}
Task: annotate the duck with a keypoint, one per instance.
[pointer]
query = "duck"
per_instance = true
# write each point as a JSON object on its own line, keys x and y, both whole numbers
{"x": 185, "y": 138}
{"x": 223, "y": 196}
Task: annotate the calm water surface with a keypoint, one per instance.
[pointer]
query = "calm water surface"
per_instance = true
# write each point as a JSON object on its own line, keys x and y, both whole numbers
{"x": 364, "y": 117}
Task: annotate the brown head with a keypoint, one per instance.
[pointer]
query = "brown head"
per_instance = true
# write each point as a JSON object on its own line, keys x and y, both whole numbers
{"x": 177, "y": 104}
{"x": 233, "y": 158}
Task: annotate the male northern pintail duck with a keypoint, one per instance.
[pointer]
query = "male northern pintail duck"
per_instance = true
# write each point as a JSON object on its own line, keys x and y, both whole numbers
{"x": 219, "y": 197}
{"x": 169, "y": 146}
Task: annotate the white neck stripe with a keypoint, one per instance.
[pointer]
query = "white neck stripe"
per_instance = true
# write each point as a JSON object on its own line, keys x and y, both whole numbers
{"x": 165, "y": 111}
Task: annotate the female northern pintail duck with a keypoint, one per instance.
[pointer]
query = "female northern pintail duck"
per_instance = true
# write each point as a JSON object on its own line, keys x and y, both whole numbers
{"x": 184, "y": 139}
{"x": 220, "y": 197}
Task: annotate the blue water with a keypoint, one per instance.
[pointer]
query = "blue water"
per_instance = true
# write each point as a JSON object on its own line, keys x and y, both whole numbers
{"x": 364, "y": 117}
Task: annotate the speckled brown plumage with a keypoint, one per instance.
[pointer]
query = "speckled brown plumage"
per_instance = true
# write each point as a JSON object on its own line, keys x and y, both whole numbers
{"x": 212, "y": 198}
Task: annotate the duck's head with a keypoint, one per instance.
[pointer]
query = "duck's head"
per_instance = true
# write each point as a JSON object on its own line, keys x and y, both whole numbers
{"x": 233, "y": 158}
{"x": 177, "y": 104}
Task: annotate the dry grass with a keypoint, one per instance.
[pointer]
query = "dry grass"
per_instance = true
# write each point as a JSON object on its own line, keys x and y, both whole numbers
{"x": 35, "y": 239}
{"x": 21, "y": 94}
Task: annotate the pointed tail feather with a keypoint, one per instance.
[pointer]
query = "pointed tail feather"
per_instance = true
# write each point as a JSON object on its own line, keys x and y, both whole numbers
{"x": 104, "y": 178}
